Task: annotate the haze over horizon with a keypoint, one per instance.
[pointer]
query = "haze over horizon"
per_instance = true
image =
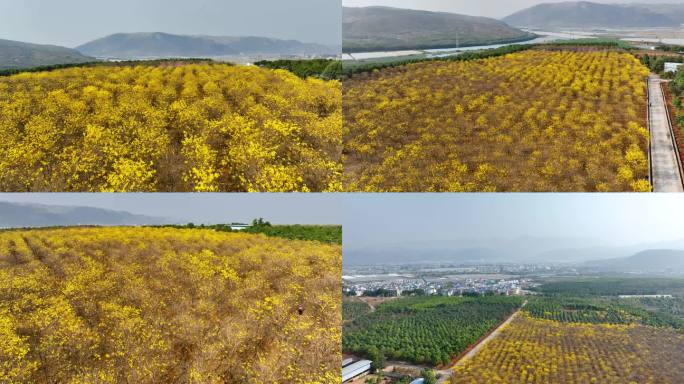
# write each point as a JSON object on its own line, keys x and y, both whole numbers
{"x": 200, "y": 208}
{"x": 70, "y": 23}
{"x": 437, "y": 220}
{"x": 491, "y": 8}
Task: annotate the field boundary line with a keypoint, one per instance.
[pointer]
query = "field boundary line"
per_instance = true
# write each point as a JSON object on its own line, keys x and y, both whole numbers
{"x": 471, "y": 351}
{"x": 648, "y": 125}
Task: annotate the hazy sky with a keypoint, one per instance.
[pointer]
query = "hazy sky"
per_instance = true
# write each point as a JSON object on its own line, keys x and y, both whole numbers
{"x": 204, "y": 208}
{"x": 611, "y": 219}
{"x": 489, "y": 8}
{"x": 75, "y": 22}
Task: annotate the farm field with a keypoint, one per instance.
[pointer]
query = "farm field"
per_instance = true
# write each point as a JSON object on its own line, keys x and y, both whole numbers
{"x": 562, "y": 119}
{"x": 150, "y": 305}
{"x": 659, "y": 312}
{"x": 612, "y": 286}
{"x": 351, "y": 309}
{"x": 324, "y": 233}
{"x": 423, "y": 330}
{"x": 178, "y": 127}
{"x": 531, "y": 350}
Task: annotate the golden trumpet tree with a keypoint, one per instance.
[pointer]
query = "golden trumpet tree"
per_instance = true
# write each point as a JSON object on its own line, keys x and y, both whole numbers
{"x": 535, "y": 351}
{"x": 199, "y": 127}
{"x": 529, "y": 121}
{"x": 151, "y": 305}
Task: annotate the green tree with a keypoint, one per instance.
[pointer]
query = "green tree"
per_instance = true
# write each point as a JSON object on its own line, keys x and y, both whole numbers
{"x": 429, "y": 376}
{"x": 377, "y": 358}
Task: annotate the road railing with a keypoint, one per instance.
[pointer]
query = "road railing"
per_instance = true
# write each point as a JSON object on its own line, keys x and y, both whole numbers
{"x": 648, "y": 126}
{"x": 674, "y": 138}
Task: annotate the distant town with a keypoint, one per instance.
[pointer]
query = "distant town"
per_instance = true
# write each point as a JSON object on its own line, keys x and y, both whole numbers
{"x": 448, "y": 280}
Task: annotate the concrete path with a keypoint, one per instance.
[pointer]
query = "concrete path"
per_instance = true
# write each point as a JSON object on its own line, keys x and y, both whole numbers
{"x": 664, "y": 162}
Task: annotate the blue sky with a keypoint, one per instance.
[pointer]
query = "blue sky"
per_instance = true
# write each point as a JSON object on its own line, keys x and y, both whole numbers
{"x": 203, "y": 208}
{"x": 607, "y": 219}
{"x": 75, "y": 22}
{"x": 377, "y": 220}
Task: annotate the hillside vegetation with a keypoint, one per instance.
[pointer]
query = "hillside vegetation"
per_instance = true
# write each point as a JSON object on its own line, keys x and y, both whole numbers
{"x": 537, "y": 120}
{"x": 171, "y": 127}
{"x": 323, "y": 233}
{"x": 158, "y": 44}
{"x": 22, "y": 215}
{"x": 16, "y": 55}
{"x": 153, "y": 305}
{"x": 327, "y": 69}
{"x": 386, "y": 28}
{"x": 584, "y": 14}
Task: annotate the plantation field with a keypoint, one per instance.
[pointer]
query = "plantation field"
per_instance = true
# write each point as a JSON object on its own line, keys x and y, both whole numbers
{"x": 322, "y": 68}
{"x": 612, "y": 286}
{"x": 429, "y": 330}
{"x": 537, "y": 120}
{"x": 169, "y": 127}
{"x": 539, "y": 351}
{"x": 163, "y": 305}
{"x": 663, "y": 312}
{"x": 671, "y": 306}
{"x": 323, "y": 233}
{"x": 353, "y": 308}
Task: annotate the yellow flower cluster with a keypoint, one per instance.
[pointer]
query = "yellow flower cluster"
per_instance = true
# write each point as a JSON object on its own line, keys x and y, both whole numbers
{"x": 149, "y": 305}
{"x": 530, "y": 121}
{"x": 199, "y": 127}
{"x": 535, "y": 351}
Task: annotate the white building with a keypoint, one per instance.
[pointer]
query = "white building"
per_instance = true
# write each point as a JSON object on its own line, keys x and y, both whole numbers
{"x": 357, "y": 369}
{"x": 239, "y": 227}
{"x": 672, "y": 67}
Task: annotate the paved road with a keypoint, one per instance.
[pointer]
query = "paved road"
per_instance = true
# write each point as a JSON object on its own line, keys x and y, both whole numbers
{"x": 666, "y": 177}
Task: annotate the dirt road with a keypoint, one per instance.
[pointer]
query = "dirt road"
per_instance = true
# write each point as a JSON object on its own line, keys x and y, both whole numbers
{"x": 447, "y": 373}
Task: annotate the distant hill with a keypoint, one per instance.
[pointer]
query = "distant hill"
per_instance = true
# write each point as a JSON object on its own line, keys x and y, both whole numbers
{"x": 15, "y": 55}
{"x": 160, "y": 45}
{"x": 648, "y": 261}
{"x": 470, "y": 250}
{"x": 584, "y": 14}
{"x": 411, "y": 255}
{"x": 672, "y": 11}
{"x": 13, "y": 215}
{"x": 386, "y": 28}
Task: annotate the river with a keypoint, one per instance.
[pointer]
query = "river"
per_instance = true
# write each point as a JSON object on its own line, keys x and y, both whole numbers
{"x": 545, "y": 37}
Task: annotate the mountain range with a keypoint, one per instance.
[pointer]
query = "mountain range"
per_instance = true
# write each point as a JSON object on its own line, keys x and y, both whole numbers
{"x": 133, "y": 46}
{"x": 20, "y": 215}
{"x": 584, "y": 14}
{"x": 158, "y": 45}
{"x": 380, "y": 28}
{"x": 645, "y": 262}
{"x": 15, "y": 55}
{"x": 656, "y": 257}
